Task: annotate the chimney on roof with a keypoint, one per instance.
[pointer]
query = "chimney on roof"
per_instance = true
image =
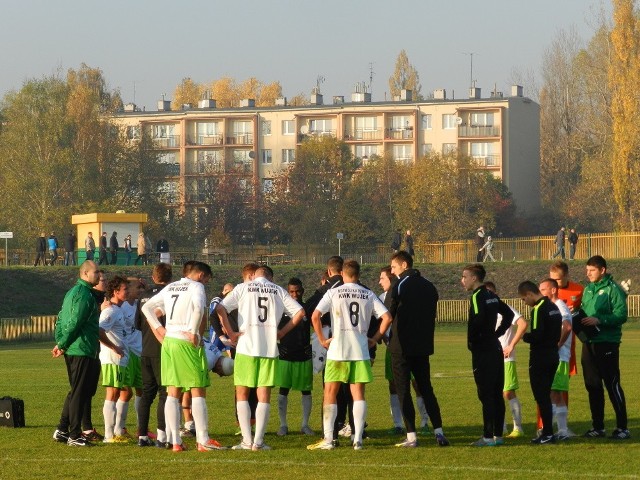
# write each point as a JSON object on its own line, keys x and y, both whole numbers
{"x": 207, "y": 103}
{"x": 247, "y": 103}
{"x": 281, "y": 102}
{"x": 164, "y": 105}
{"x": 517, "y": 91}
{"x": 474, "y": 93}
{"x": 440, "y": 94}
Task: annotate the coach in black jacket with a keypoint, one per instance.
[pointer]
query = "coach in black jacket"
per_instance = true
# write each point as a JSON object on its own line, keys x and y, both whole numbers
{"x": 412, "y": 302}
{"x": 487, "y": 359}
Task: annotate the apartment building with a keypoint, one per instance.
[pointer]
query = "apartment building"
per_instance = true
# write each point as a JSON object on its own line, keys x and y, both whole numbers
{"x": 251, "y": 145}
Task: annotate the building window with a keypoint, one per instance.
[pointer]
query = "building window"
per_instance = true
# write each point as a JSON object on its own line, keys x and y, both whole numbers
{"x": 426, "y": 122}
{"x": 449, "y": 121}
{"x": 265, "y": 126}
{"x": 168, "y": 192}
{"x": 449, "y": 148}
{"x": 288, "y": 155}
{"x": 402, "y": 153}
{"x": 133, "y": 132}
{"x": 366, "y": 151}
{"x": 267, "y": 185}
{"x": 427, "y": 148}
{"x": 288, "y": 127}
{"x": 321, "y": 126}
{"x": 483, "y": 153}
{"x": 266, "y": 156}
{"x": 169, "y": 165}
{"x": 482, "y": 119}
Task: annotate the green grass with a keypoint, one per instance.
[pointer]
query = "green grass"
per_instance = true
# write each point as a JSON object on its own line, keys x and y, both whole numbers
{"x": 27, "y": 371}
{"x": 40, "y": 290}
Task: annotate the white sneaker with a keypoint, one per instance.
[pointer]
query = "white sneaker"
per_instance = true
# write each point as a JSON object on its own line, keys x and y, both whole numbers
{"x": 242, "y": 446}
{"x": 357, "y": 445}
{"x": 321, "y": 445}
{"x": 263, "y": 446}
{"x": 345, "y": 431}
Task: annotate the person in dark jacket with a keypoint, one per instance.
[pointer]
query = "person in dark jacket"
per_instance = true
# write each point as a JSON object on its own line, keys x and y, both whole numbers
{"x": 396, "y": 241}
{"x": 408, "y": 243}
{"x": 103, "y": 250}
{"x": 113, "y": 248}
{"x": 487, "y": 359}
{"x": 573, "y": 241}
{"x": 412, "y": 302}
{"x": 70, "y": 249}
{"x": 560, "y": 244}
{"x": 41, "y": 248}
{"x": 546, "y": 327}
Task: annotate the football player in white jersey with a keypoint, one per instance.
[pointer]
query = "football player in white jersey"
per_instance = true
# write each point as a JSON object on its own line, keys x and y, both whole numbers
{"x": 351, "y": 307}
{"x": 549, "y": 288}
{"x": 183, "y": 362}
{"x": 114, "y": 360}
{"x": 260, "y": 304}
{"x": 508, "y": 341}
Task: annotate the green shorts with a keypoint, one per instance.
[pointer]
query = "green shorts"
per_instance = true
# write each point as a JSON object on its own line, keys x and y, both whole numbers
{"x": 355, "y": 371}
{"x": 561, "y": 380}
{"x": 254, "y": 372}
{"x": 133, "y": 376}
{"x": 510, "y": 377}
{"x": 113, "y": 375}
{"x": 295, "y": 375}
{"x": 183, "y": 365}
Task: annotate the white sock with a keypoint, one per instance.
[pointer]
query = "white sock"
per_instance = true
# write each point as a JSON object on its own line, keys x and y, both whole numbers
{"x": 244, "y": 419}
{"x": 109, "y": 414}
{"x": 396, "y": 410}
{"x": 329, "y": 414}
{"x": 200, "y": 417}
{"x": 306, "y": 409}
{"x": 422, "y": 408}
{"x": 411, "y": 436}
{"x": 561, "y": 415}
{"x": 121, "y": 416}
{"x": 262, "y": 418}
{"x": 172, "y": 420}
{"x": 161, "y": 435}
{"x": 189, "y": 424}
{"x": 283, "y": 400}
{"x": 136, "y": 404}
{"x": 553, "y": 413}
{"x": 516, "y": 413}
{"x": 359, "y": 415}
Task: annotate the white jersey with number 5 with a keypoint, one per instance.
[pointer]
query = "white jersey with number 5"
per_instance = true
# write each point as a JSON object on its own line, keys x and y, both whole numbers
{"x": 260, "y": 305}
{"x": 183, "y": 302}
{"x": 351, "y": 306}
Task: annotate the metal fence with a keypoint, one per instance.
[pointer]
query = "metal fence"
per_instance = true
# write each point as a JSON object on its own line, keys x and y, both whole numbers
{"x": 41, "y": 328}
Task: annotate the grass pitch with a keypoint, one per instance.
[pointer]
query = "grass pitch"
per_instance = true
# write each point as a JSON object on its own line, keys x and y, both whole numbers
{"x": 27, "y": 371}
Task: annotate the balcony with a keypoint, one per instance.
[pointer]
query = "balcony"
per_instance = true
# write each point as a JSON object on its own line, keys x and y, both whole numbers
{"x": 477, "y": 131}
{"x": 243, "y": 168}
{"x": 398, "y": 133}
{"x": 362, "y": 134}
{"x": 205, "y": 168}
{"x": 240, "y": 139}
{"x": 488, "y": 161}
{"x": 216, "y": 139}
{"x": 315, "y": 134}
{"x": 170, "y": 141}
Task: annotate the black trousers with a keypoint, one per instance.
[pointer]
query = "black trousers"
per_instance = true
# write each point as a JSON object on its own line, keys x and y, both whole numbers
{"x": 403, "y": 366}
{"x": 103, "y": 258}
{"x": 151, "y": 386}
{"x": 82, "y": 383}
{"x": 94, "y": 373}
{"x": 601, "y": 365}
{"x": 488, "y": 373}
{"x": 542, "y": 369}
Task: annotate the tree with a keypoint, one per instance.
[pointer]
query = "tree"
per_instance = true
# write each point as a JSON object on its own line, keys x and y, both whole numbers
{"x": 405, "y": 76}
{"x": 268, "y": 94}
{"x": 188, "y": 92}
{"x": 624, "y": 82}
{"x": 225, "y": 92}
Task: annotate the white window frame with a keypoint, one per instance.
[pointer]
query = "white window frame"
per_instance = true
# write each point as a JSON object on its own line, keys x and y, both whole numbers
{"x": 265, "y": 128}
{"x": 288, "y": 155}
{"x": 288, "y": 127}
{"x": 449, "y": 121}
{"x": 266, "y": 155}
{"x": 427, "y": 121}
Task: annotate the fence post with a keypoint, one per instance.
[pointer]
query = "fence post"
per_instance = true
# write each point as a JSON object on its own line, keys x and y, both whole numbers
{"x": 589, "y": 246}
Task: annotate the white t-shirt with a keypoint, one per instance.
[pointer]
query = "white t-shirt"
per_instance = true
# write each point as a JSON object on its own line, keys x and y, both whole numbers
{"x": 506, "y": 338}
{"x": 183, "y": 302}
{"x": 565, "y": 350}
{"x": 351, "y": 306}
{"x": 134, "y": 337}
{"x": 260, "y": 305}
{"x": 112, "y": 322}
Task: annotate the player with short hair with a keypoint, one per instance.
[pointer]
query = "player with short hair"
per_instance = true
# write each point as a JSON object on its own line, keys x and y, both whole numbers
{"x": 183, "y": 362}
{"x": 295, "y": 367}
{"x": 260, "y": 304}
{"x": 348, "y": 362}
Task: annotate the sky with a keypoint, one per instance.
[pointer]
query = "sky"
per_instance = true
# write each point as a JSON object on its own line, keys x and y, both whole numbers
{"x": 146, "y": 47}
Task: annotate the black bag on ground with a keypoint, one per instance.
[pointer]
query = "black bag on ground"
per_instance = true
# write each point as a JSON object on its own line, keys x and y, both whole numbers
{"x": 11, "y": 412}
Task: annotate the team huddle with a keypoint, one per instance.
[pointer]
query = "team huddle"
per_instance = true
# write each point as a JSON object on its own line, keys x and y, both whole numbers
{"x": 163, "y": 341}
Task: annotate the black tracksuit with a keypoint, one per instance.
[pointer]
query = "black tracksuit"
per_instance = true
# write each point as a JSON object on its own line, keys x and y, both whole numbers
{"x": 487, "y": 359}
{"x": 412, "y": 302}
{"x": 546, "y": 326}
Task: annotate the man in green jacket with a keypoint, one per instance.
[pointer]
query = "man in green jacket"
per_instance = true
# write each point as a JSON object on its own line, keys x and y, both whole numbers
{"x": 605, "y": 306}
{"x": 77, "y": 338}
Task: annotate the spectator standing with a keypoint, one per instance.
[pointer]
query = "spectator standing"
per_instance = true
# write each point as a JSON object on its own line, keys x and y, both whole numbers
{"x": 162, "y": 246}
{"x": 90, "y": 246}
{"x": 573, "y": 241}
{"x": 408, "y": 243}
{"x": 103, "y": 250}
{"x": 41, "y": 248}
{"x": 127, "y": 248}
{"x": 70, "y": 250}
{"x": 479, "y": 243}
{"x": 113, "y": 248}
{"x": 396, "y": 241}
{"x": 53, "y": 248}
{"x": 142, "y": 249}
{"x": 488, "y": 247}
{"x": 560, "y": 244}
